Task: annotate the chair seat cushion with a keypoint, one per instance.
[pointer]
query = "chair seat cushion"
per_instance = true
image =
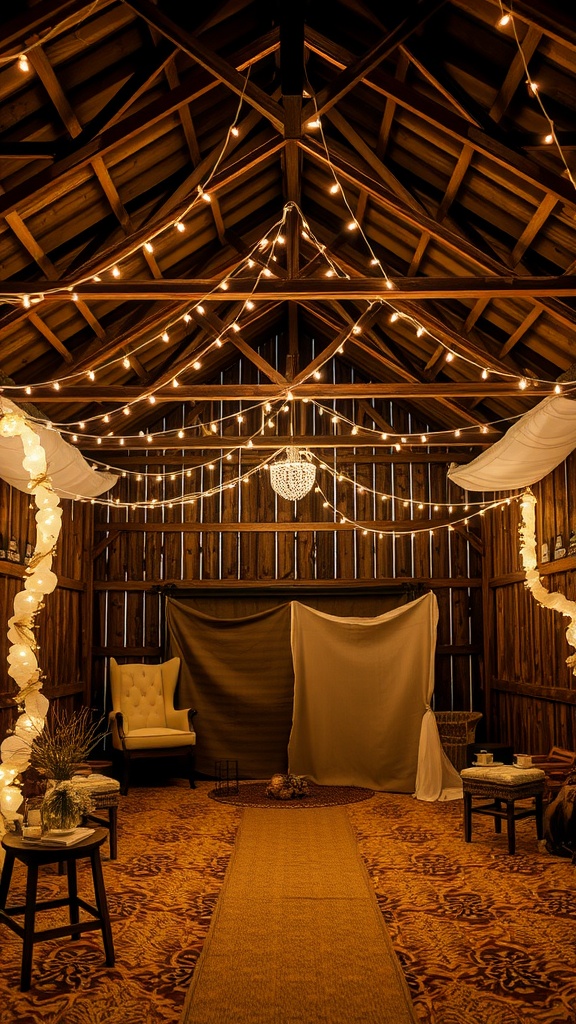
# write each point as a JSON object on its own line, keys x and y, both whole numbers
{"x": 506, "y": 773}
{"x": 159, "y": 738}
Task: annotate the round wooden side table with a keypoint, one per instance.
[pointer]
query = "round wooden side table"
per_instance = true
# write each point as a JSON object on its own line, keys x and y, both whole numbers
{"x": 33, "y": 854}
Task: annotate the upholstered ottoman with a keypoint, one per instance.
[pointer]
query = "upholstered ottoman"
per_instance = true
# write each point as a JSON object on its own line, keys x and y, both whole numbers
{"x": 503, "y": 785}
{"x": 105, "y": 793}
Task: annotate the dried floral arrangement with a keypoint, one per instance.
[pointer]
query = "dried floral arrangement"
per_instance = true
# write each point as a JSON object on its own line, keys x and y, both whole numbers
{"x": 65, "y": 742}
{"x": 286, "y": 787}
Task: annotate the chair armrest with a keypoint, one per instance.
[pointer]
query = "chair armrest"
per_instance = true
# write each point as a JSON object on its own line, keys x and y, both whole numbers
{"x": 181, "y": 718}
{"x": 116, "y": 722}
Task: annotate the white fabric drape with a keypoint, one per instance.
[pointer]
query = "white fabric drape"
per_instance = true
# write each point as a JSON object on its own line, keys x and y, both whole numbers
{"x": 70, "y": 474}
{"x": 362, "y": 692}
{"x": 529, "y": 450}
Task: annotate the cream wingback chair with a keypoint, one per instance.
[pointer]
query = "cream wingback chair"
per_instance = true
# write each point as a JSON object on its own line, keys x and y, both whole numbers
{"x": 144, "y": 721}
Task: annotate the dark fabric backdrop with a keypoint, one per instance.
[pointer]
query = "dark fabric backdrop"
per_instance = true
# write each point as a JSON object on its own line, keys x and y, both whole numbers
{"x": 238, "y": 675}
{"x": 237, "y": 671}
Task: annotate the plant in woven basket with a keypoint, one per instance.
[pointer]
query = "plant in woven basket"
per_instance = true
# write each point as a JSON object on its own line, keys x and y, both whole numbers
{"x": 64, "y": 743}
{"x": 286, "y": 787}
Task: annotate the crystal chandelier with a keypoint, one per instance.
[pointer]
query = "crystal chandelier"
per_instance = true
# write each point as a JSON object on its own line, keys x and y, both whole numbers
{"x": 293, "y": 476}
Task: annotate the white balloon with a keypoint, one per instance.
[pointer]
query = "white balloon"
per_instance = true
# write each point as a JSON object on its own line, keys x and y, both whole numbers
{"x": 37, "y": 704}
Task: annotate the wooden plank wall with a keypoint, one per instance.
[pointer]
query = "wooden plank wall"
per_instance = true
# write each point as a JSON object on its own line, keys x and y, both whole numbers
{"x": 62, "y": 626}
{"x": 532, "y": 692}
{"x": 219, "y": 540}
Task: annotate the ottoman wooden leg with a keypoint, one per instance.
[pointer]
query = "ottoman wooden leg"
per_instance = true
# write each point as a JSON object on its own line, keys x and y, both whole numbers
{"x": 511, "y": 824}
{"x": 539, "y": 815}
{"x": 467, "y": 817}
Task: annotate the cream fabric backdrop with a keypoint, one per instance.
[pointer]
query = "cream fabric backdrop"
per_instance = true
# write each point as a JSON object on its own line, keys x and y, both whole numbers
{"x": 362, "y": 695}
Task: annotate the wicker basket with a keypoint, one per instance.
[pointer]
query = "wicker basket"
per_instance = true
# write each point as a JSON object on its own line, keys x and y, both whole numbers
{"x": 457, "y": 729}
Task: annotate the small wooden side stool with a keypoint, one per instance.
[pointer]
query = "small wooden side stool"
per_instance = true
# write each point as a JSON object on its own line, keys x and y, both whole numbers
{"x": 503, "y": 784}
{"x": 33, "y": 854}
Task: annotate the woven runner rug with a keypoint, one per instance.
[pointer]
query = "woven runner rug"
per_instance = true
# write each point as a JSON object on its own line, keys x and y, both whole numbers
{"x": 297, "y": 935}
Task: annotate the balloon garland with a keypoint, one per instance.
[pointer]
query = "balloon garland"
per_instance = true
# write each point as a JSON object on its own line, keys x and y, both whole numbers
{"x": 39, "y": 580}
{"x": 558, "y": 602}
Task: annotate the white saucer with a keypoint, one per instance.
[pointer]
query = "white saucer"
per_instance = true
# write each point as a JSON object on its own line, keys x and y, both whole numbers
{"x": 493, "y": 764}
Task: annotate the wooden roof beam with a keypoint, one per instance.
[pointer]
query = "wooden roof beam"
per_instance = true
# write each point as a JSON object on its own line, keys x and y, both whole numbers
{"x": 210, "y": 61}
{"x": 47, "y": 76}
{"x": 282, "y": 289}
{"x": 516, "y": 73}
{"x": 356, "y": 71}
{"x": 457, "y": 127}
{"x": 48, "y": 15}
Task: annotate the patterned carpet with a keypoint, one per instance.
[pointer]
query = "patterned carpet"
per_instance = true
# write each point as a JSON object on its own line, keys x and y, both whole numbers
{"x": 484, "y": 938}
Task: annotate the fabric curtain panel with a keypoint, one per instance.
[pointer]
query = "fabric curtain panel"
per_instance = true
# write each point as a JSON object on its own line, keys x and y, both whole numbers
{"x": 362, "y": 693}
{"x": 238, "y": 675}
{"x": 344, "y": 700}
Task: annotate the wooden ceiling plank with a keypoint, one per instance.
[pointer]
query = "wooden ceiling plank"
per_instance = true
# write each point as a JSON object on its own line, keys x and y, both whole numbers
{"x": 216, "y": 212}
{"x": 356, "y": 70}
{"x": 418, "y": 254}
{"x": 381, "y": 353}
{"x": 475, "y": 314}
{"x": 533, "y": 227}
{"x": 465, "y": 249}
{"x": 184, "y": 113}
{"x": 47, "y": 76}
{"x": 129, "y": 93}
{"x": 402, "y": 66}
{"x": 315, "y": 364}
{"x": 215, "y": 326}
{"x": 367, "y": 153}
{"x": 48, "y": 268}
{"x": 520, "y": 331}
{"x": 32, "y": 192}
{"x": 553, "y": 20}
{"x": 457, "y": 127}
{"x": 456, "y": 179}
{"x": 41, "y": 17}
{"x": 416, "y": 219}
{"x": 52, "y": 338}
{"x": 210, "y": 61}
{"x": 516, "y": 73}
{"x": 111, "y": 193}
{"x": 31, "y": 245}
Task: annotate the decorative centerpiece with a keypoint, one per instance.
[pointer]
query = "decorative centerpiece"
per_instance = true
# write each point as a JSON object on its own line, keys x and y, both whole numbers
{"x": 64, "y": 805}
{"x": 57, "y": 753}
{"x": 286, "y": 787}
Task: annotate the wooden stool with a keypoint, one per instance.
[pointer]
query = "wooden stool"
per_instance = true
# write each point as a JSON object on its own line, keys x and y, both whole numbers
{"x": 34, "y": 853}
{"x": 503, "y": 784}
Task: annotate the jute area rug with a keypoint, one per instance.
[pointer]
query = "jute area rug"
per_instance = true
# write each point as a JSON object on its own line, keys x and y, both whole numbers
{"x": 297, "y": 935}
{"x": 253, "y": 794}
